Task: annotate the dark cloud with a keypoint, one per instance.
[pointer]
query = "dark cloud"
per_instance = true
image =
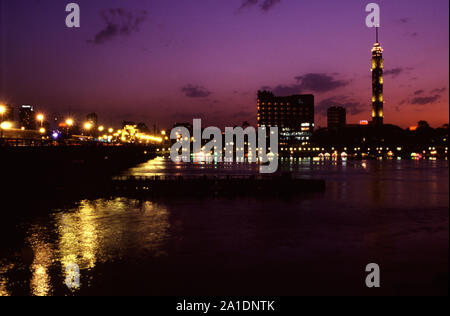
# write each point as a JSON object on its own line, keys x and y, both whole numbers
{"x": 404, "y": 20}
{"x": 193, "y": 91}
{"x": 439, "y": 90}
{"x": 394, "y": 72}
{"x": 284, "y": 90}
{"x": 119, "y": 22}
{"x": 313, "y": 82}
{"x": 418, "y": 97}
{"x": 268, "y": 4}
{"x": 353, "y": 107}
{"x": 265, "y": 5}
{"x": 248, "y": 3}
{"x": 309, "y": 83}
{"x": 425, "y": 100}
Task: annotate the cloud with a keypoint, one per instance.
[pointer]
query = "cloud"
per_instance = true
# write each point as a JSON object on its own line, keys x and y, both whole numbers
{"x": 265, "y": 5}
{"x": 404, "y": 20}
{"x": 268, "y": 4}
{"x": 353, "y": 107}
{"x": 418, "y": 92}
{"x": 439, "y": 90}
{"x": 119, "y": 22}
{"x": 193, "y": 91}
{"x": 394, "y": 72}
{"x": 248, "y": 3}
{"x": 315, "y": 82}
{"x": 425, "y": 100}
{"x": 309, "y": 83}
{"x": 284, "y": 90}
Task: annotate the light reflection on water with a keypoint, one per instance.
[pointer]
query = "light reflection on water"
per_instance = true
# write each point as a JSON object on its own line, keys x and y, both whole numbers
{"x": 382, "y": 206}
{"x": 95, "y": 232}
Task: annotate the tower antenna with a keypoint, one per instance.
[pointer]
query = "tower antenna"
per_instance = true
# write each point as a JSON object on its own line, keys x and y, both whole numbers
{"x": 377, "y": 32}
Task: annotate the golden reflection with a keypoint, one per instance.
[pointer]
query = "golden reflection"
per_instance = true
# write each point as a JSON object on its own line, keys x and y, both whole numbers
{"x": 100, "y": 231}
{"x": 4, "y": 268}
{"x": 154, "y": 167}
{"x": 40, "y": 282}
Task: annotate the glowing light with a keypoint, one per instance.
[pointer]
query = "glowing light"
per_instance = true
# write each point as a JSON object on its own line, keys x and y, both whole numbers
{"x": 111, "y": 130}
{"x": 2, "y": 109}
{"x": 42, "y": 130}
{"x": 87, "y": 126}
{"x": 364, "y": 122}
{"x": 69, "y": 122}
{"x": 101, "y": 128}
{"x": 40, "y": 117}
{"x": 6, "y": 125}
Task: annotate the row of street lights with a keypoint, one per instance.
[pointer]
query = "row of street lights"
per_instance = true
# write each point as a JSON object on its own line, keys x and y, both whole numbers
{"x": 69, "y": 122}
{"x": 40, "y": 118}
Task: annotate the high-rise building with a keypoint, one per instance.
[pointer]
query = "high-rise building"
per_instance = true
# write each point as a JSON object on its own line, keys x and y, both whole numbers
{"x": 293, "y": 115}
{"x": 377, "y": 83}
{"x": 27, "y": 117}
{"x": 337, "y": 117}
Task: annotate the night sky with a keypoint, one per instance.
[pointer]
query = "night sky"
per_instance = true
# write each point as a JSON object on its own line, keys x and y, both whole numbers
{"x": 167, "y": 61}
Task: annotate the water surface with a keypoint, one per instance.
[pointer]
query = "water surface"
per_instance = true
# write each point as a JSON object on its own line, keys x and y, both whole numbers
{"x": 394, "y": 213}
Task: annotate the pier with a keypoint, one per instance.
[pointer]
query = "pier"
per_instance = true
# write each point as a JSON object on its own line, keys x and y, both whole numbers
{"x": 217, "y": 185}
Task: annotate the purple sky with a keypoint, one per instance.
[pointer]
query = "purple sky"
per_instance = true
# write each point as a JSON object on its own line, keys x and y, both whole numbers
{"x": 174, "y": 60}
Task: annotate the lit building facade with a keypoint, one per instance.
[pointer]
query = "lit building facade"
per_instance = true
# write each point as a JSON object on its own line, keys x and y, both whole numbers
{"x": 337, "y": 117}
{"x": 293, "y": 115}
{"x": 27, "y": 117}
{"x": 377, "y": 84}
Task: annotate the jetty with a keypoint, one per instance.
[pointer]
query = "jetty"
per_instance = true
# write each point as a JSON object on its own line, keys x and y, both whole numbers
{"x": 215, "y": 186}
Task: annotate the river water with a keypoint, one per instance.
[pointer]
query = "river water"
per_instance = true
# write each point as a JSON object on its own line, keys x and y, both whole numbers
{"x": 393, "y": 213}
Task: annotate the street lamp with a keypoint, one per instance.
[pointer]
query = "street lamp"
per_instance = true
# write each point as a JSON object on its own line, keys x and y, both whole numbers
{"x": 101, "y": 128}
{"x": 41, "y": 118}
{"x": 6, "y": 125}
{"x": 69, "y": 123}
{"x": 87, "y": 126}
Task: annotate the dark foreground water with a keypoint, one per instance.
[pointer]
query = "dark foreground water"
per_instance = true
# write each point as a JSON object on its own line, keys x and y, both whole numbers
{"x": 393, "y": 213}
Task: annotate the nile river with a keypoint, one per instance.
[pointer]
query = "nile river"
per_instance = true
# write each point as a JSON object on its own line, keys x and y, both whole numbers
{"x": 393, "y": 213}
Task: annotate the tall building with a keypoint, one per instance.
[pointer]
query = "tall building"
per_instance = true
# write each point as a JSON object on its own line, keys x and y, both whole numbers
{"x": 337, "y": 117}
{"x": 377, "y": 83}
{"x": 293, "y": 115}
{"x": 27, "y": 117}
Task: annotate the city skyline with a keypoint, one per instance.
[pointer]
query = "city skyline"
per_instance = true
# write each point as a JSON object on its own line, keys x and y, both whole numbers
{"x": 159, "y": 68}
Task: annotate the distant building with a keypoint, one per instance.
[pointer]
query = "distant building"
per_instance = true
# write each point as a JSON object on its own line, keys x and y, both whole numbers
{"x": 93, "y": 119}
{"x": 337, "y": 117}
{"x": 293, "y": 115}
{"x": 27, "y": 117}
{"x": 377, "y": 84}
{"x": 9, "y": 113}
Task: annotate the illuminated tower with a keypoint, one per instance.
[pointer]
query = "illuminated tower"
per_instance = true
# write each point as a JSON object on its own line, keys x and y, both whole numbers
{"x": 377, "y": 84}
